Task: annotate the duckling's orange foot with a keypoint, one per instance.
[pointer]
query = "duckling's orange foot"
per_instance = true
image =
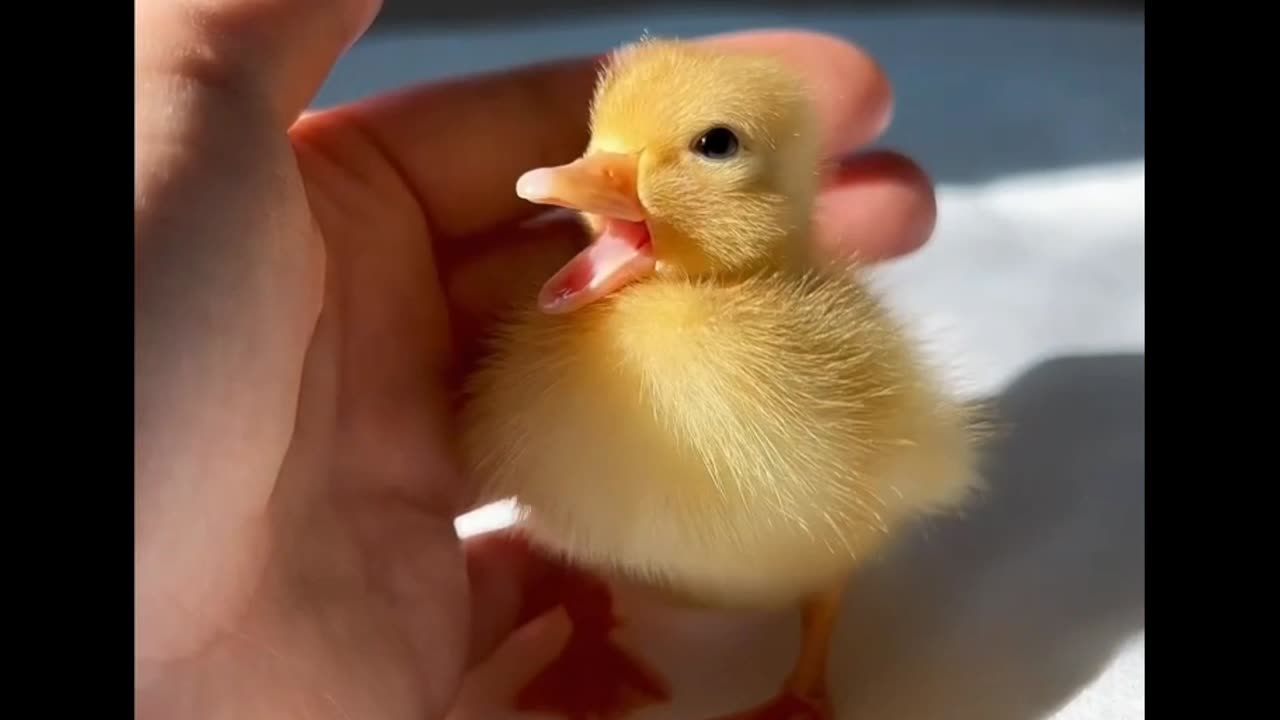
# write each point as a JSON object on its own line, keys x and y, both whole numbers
{"x": 788, "y": 706}
{"x": 592, "y": 679}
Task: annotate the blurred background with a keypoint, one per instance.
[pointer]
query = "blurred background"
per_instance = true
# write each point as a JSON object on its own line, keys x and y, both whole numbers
{"x": 1030, "y": 117}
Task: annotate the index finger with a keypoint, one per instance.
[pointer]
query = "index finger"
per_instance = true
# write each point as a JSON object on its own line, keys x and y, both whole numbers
{"x": 461, "y": 145}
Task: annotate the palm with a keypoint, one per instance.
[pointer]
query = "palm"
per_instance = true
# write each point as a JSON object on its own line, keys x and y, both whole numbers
{"x": 364, "y": 506}
{"x": 360, "y": 567}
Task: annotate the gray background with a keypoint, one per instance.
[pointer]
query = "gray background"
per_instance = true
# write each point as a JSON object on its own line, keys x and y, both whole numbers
{"x": 980, "y": 93}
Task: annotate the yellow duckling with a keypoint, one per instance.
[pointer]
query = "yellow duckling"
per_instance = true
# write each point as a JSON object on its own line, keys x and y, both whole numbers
{"x": 693, "y": 402}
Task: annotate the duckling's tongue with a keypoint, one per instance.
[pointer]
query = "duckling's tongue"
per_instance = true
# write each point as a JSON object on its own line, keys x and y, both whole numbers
{"x": 621, "y": 254}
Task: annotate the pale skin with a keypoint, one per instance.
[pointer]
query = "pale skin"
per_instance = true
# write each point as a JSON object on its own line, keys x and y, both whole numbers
{"x": 307, "y": 290}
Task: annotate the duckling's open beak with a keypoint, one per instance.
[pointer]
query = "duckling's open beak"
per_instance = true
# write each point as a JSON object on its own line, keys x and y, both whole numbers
{"x": 602, "y": 184}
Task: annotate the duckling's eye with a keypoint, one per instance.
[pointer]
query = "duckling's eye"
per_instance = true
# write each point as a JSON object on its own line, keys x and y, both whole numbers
{"x": 717, "y": 144}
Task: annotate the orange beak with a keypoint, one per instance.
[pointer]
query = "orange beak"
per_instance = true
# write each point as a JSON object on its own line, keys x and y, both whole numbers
{"x": 602, "y": 184}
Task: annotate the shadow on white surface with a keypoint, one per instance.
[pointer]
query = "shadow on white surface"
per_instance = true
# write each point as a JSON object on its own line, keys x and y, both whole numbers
{"x": 1008, "y": 612}
{"x": 1005, "y": 613}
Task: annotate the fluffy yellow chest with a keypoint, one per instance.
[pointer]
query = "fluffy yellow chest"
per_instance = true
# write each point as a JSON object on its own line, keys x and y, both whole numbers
{"x": 741, "y": 444}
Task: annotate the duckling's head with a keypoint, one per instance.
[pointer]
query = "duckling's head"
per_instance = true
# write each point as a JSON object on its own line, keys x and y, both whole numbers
{"x": 701, "y": 163}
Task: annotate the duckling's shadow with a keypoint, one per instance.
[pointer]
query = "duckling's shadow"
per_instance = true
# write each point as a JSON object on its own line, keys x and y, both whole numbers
{"x": 1009, "y": 611}
{"x": 1003, "y": 613}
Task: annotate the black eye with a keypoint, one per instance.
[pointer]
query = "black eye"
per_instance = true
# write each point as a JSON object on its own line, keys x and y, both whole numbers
{"x": 717, "y": 144}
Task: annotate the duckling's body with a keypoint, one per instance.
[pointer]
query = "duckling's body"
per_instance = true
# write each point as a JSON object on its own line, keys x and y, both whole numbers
{"x": 738, "y": 444}
{"x": 693, "y": 403}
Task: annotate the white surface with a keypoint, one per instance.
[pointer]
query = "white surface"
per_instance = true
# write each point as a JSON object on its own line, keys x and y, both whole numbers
{"x": 1121, "y": 691}
{"x": 1028, "y": 267}
{"x": 1021, "y": 270}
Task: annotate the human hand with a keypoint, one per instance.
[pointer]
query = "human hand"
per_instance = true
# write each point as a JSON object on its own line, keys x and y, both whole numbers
{"x": 307, "y": 290}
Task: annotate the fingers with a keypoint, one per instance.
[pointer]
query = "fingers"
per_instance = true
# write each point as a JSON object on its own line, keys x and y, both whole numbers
{"x": 851, "y": 91}
{"x": 462, "y": 145}
{"x": 881, "y": 206}
{"x": 274, "y": 52}
{"x": 511, "y": 584}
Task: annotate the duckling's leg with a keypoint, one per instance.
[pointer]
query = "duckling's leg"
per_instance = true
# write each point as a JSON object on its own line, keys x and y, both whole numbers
{"x": 592, "y": 678}
{"x": 804, "y": 694}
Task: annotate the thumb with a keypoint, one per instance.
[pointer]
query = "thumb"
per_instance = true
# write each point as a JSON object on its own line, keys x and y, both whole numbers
{"x": 277, "y": 52}
{"x": 511, "y": 584}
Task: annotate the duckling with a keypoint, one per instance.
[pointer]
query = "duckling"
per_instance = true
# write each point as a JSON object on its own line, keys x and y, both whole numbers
{"x": 697, "y": 402}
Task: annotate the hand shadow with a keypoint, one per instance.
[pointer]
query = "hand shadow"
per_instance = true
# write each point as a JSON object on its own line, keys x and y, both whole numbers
{"x": 1006, "y": 613}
